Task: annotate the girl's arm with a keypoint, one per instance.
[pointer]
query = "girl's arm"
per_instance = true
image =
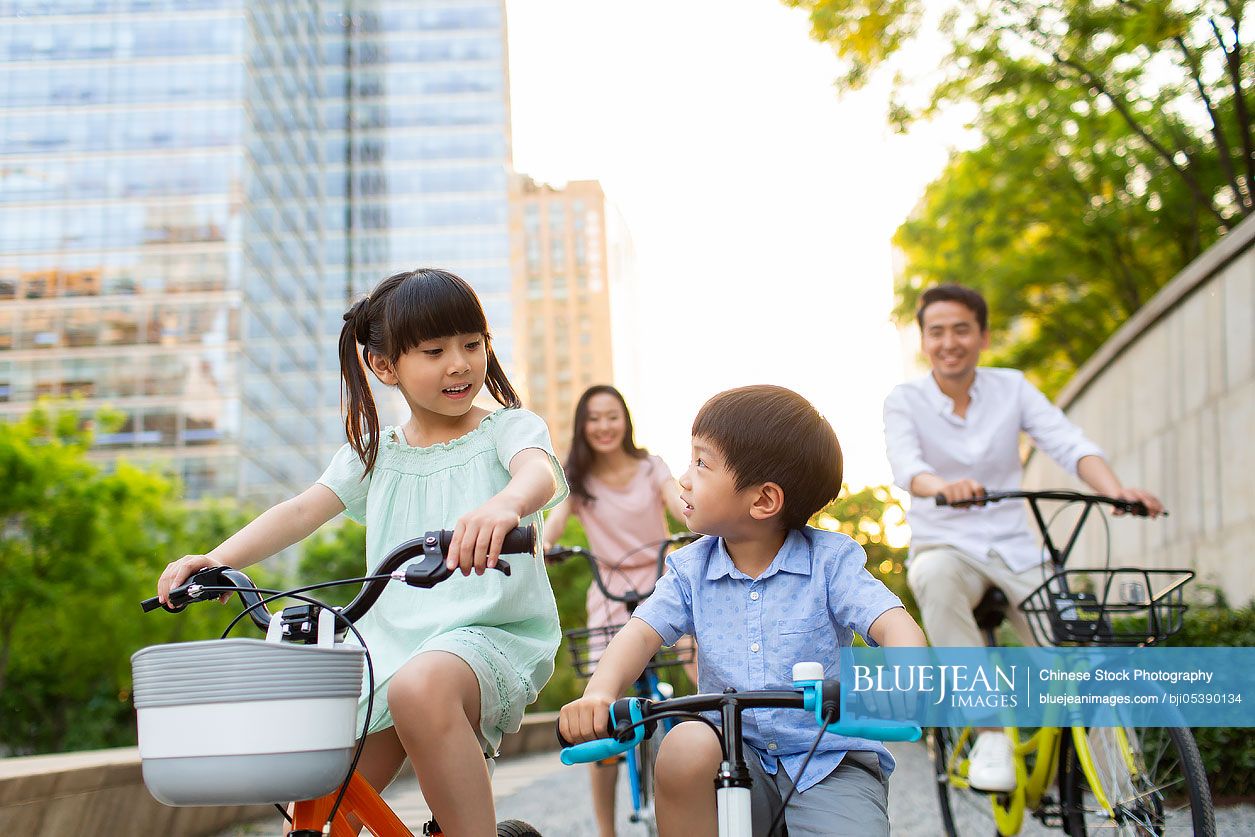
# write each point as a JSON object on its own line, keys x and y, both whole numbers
{"x": 555, "y": 523}
{"x": 272, "y": 531}
{"x": 478, "y": 535}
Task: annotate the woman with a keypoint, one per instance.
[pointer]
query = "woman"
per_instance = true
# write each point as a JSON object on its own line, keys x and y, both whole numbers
{"x": 620, "y": 494}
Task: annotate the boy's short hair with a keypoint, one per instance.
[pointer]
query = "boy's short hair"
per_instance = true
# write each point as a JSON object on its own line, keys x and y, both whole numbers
{"x": 772, "y": 434}
{"x": 968, "y": 298}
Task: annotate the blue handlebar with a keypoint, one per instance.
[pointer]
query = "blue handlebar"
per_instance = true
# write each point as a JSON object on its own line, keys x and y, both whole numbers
{"x": 604, "y": 748}
{"x": 877, "y": 730}
{"x": 590, "y": 751}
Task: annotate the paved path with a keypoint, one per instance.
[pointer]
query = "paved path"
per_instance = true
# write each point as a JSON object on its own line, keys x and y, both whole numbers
{"x": 554, "y": 798}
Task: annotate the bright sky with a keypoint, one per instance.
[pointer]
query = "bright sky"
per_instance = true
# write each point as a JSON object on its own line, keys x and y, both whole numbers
{"x": 761, "y": 204}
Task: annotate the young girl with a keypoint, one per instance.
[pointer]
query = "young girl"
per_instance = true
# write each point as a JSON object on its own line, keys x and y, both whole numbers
{"x": 619, "y": 493}
{"x": 455, "y": 665}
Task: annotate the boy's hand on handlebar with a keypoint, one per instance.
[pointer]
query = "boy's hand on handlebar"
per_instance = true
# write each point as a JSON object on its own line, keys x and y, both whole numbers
{"x": 586, "y": 719}
{"x": 962, "y": 491}
{"x": 477, "y": 538}
{"x": 179, "y": 571}
{"x": 1154, "y": 507}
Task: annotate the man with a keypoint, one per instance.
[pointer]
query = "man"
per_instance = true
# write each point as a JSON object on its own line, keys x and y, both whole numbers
{"x": 956, "y": 432}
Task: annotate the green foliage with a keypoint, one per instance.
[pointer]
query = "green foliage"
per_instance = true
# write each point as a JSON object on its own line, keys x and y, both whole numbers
{"x": 570, "y": 581}
{"x": 331, "y": 554}
{"x": 81, "y": 548}
{"x": 1115, "y": 144}
{"x": 1228, "y": 753}
{"x": 867, "y": 516}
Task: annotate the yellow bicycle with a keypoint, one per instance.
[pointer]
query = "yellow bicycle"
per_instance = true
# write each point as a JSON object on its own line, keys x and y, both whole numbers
{"x": 1084, "y": 780}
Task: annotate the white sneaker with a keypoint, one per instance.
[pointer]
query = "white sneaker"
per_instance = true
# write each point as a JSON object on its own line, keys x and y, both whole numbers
{"x": 991, "y": 767}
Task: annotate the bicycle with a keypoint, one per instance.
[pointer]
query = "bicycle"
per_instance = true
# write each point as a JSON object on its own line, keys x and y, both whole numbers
{"x": 632, "y": 720}
{"x": 211, "y": 732}
{"x": 1138, "y": 781}
{"x": 585, "y": 646}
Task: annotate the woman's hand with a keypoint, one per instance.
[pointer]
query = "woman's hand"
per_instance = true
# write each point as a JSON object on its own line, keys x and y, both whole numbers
{"x": 179, "y": 571}
{"x": 478, "y": 536}
{"x": 587, "y": 718}
{"x": 1154, "y": 507}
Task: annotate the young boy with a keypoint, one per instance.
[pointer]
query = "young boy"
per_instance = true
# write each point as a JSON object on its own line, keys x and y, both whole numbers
{"x": 763, "y": 592}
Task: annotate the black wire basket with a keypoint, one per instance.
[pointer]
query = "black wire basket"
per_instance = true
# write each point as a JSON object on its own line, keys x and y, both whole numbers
{"x": 1127, "y": 606}
{"x": 586, "y": 646}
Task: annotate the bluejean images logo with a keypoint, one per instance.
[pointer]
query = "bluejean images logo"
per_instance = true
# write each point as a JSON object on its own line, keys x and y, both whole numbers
{"x": 975, "y": 687}
{"x": 1080, "y": 686}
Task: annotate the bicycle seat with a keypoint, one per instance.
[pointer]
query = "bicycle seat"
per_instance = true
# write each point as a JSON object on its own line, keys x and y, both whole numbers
{"x": 991, "y": 610}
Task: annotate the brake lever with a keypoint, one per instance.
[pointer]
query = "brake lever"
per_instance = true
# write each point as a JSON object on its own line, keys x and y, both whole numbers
{"x": 432, "y": 570}
{"x": 180, "y": 597}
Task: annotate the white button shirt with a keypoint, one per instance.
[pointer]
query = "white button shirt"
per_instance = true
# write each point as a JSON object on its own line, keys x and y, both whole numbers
{"x": 923, "y": 435}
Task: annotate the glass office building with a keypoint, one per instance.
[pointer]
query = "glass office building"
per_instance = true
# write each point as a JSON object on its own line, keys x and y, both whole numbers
{"x": 191, "y": 191}
{"x": 417, "y": 145}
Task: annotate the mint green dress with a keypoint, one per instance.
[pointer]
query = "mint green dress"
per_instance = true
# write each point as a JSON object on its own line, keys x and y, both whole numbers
{"x": 504, "y": 627}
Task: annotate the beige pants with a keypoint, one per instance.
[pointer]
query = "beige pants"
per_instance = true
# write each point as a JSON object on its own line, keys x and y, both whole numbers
{"x": 948, "y": 583}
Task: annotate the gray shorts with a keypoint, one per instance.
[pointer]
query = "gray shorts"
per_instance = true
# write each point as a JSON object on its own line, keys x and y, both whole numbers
{"x": 851, "y": 801}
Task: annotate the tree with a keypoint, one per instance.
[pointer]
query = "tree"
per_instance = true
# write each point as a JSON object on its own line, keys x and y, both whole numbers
{"x": 332, "y": 554}
{"x": 867, "y": 516}
{"x": 1116, "y": 145}
{"x": 81, "y": 548}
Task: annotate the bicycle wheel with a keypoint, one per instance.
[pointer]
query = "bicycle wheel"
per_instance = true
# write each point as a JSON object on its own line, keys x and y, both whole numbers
{"x": 1153, "y": 779}
{"x": 644, "y": 756}
{"x": 515, "y": 828}
{"x": 963, "y": 811}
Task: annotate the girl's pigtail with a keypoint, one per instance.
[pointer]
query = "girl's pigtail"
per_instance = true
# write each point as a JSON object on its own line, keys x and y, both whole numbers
{"x": 361, "y": 419}
{"x": 497, "y": 382}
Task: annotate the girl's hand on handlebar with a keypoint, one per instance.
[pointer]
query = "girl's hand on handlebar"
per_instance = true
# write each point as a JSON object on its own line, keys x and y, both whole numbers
{"x": 478, "y": 536}
{"x": 1154, "y": 507}
{"x": 179, "y": 571}
{"x": 586, "y": 719}
{"x": 962, "y": 490}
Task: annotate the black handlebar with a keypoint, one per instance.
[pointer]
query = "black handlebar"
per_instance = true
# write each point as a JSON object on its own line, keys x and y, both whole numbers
{"x": 651, "y": 710}
{"x": 1058, "y": 556}
{"x": 432, "y": 548}
{"x": 1136, "y": 508}
{"x": 631, "y": 598}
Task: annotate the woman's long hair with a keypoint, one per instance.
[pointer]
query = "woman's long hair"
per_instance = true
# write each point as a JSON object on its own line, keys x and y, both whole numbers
{"x": 580, "y": 460}
{"x": 400, "y": 313}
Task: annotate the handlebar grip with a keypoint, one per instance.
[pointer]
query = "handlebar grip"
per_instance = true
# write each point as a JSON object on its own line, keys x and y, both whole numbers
{"x": 877, "y": 730}
{"x": 520, "y": 540}
{"x": 557, "y": 731}
{"x": 590, "y": 751}
{"x": 150, "y": 604}
{"x": 177, "y": 599}
{"x": 559, "y": 554}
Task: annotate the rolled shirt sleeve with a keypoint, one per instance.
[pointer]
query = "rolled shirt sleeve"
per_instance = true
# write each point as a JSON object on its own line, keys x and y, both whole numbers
{"x": 902, "y": 444}
{"x": 669, "y": 610}
{"x": 1051, "y": 431}
{"x": 856, "y": 597}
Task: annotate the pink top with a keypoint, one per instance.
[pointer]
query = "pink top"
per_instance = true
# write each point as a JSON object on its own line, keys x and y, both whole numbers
{"x": 624, "y": 528}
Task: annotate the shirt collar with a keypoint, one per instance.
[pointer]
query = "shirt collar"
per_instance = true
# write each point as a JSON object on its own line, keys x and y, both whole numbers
{"x": 943, "y": 402}
{"x": 794, "y": 557}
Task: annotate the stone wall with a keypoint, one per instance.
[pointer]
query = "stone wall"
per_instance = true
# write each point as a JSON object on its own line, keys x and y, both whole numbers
{"x": 1171, "y": 399}
{"x": 101, "y": 793}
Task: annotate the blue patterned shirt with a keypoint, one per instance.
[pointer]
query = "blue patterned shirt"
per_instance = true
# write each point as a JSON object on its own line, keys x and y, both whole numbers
{"x": 807, "y": 604}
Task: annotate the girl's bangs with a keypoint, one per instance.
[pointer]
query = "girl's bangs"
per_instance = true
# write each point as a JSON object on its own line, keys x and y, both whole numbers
{"x": 429, "y": 305}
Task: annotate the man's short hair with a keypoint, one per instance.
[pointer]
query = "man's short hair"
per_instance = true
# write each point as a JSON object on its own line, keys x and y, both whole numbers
{"x": 772, "y": 434}
{"x": 966, "y": 297}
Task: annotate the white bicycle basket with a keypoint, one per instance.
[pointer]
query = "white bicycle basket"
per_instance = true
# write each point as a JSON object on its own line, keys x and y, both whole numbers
{"x": 244, "y": 721}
